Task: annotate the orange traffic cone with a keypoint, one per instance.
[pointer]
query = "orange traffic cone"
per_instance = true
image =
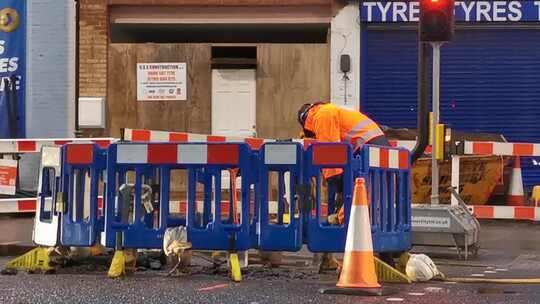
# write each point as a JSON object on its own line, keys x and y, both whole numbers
{"x": 358, "y": 276}
{"x": 515, "y": 195}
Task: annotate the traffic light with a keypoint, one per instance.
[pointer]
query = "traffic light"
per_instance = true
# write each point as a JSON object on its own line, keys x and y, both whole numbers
{"x": 436, "y": 20}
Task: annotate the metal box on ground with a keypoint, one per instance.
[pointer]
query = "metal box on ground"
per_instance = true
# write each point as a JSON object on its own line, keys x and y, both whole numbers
{"x": 447, "y": 226}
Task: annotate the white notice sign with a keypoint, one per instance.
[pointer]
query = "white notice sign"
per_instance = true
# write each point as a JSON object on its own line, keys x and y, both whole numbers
{"x": 161, "y": 81}
{"x": 431, "y": 222}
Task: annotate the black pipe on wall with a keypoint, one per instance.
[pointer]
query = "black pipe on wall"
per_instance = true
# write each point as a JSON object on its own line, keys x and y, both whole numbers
{"x": 423, "y": 113}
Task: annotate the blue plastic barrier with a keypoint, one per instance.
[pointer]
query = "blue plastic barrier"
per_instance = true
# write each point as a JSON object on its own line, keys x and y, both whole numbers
{"x": 82, "y": 170}
{"x": 388, "y": 182}
{"x": 280, "y": 158}
{"x": 138, "y": 188}
{"x": 152, "y": 163}
{"x": 321, "y": 236}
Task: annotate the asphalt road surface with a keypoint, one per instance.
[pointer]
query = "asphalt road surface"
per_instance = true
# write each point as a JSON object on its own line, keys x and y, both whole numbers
{"x": 509, "y": 250}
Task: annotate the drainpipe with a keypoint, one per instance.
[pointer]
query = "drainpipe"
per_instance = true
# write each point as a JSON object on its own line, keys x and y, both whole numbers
{"x": 77, "y": 132}
{"x": 423, "y": 113}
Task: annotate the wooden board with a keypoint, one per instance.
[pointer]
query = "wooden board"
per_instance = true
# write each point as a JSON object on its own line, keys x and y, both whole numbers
{"x": 289, "y": 75}
{"x": 123, "y": 109}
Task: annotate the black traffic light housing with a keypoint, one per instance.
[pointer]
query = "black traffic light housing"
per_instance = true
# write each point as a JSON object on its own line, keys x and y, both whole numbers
{"x": 436, "y": 20}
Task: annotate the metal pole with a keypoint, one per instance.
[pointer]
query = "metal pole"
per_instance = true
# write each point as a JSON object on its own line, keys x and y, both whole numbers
{"x": 436, "y": 89}
{"x": 455, "y": 179}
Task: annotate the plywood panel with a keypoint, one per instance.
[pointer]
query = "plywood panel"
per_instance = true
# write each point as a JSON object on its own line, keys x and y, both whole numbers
{"x": 289, "y": 75}
{"x": 124, "y": 111}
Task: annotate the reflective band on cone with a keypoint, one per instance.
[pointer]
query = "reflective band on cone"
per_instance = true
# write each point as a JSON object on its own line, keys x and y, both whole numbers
{"x": 515, "y": 195}
{"x": 358, "y": 261}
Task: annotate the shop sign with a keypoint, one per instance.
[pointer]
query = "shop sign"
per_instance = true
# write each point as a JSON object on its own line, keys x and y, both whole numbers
{"x": 161, "y": 81}
{"x": 465, "y": 11}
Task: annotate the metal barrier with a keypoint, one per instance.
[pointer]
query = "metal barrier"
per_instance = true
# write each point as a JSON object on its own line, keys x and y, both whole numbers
{"x": 388, "y": 176}
{"x": 285, "y": 161}
{"x": 142, "y": 216}
{"x": 83, "y": 169}
{"x": 322, "y": 236}
{"x": 47, "y": 221}
{"x": 139, "y": 189}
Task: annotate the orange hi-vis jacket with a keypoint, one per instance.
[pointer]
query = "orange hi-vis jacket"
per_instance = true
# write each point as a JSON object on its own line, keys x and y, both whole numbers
{"x": 334, "y": 124}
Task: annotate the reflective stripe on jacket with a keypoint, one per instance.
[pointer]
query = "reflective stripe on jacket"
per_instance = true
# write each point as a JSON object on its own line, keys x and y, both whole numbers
{"x": 334, "y": 124}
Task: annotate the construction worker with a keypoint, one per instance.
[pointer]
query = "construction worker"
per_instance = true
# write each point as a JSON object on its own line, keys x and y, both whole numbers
{"x": 329, "y": 123}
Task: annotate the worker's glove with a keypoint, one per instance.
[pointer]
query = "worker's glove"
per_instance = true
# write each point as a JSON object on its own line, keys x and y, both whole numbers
{"x": 333, "y": 219}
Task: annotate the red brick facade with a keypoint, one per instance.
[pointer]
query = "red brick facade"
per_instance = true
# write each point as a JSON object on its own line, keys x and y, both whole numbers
{"x": 93, "y": 48}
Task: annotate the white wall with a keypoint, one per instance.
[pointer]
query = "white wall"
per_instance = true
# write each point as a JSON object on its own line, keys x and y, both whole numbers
{"x": 50, "y": 59}
{"x": 345, "y": 39}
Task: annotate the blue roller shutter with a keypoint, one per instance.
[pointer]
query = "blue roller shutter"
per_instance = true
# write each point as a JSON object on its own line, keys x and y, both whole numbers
{"x": 490, "y": 82}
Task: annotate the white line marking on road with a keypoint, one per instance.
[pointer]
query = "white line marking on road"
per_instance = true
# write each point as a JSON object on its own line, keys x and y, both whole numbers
{"x": 478, "y": 275}
{"x": 394, "y": 299}
{"x": 416, "y": 293}
{"x": 490, "y": 271}
{"x": 501, "y": 269}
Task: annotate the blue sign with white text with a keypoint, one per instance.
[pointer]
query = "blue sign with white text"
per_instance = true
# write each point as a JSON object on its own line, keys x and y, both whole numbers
{"x": 12, "y": 66}
{"x": 465, "y": 11}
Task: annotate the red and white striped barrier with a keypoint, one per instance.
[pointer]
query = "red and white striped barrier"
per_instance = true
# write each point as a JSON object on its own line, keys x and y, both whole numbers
{"x": 34, "y": 145}
{"x": 501, "y": 148}
{"x": 138, "y": 135}
{"x": 177, "y": 154}
{"x": 408, "y": 144}
{"x": 506, "y": 212}
{"x": 17, "y": 205}
{"x": 388, "y": 158}
{"x": 27, "y": 205}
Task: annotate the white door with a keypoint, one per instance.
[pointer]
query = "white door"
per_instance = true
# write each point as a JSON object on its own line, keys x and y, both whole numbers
{"x": 233, "y": 102}
{"x": 47, "y": 220}
{"x": 233, "y": 107}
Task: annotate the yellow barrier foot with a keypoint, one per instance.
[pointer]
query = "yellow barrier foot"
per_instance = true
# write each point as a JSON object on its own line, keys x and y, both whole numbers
{"x": 118, "y": 265}
{"x": 401, "y": 265}
{"x": 36, "y": 259}
{"x": 388, "y": 274}
{"x": 234, "y": 264}
{"x": 123, "y": 263}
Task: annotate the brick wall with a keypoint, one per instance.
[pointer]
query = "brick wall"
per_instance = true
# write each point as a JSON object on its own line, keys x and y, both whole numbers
{"x": 93, "y": 48}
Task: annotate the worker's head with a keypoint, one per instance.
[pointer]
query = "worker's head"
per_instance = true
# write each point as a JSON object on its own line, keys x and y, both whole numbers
{"x": 303, "y": 113}
{"x": 303, "y": 117}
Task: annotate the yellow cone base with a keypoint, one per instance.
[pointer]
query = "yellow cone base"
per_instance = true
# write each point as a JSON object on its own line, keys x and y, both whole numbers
{"x": 34, "y": 260}
{"x": 234, "y": 264}
{"x": 388, "y": 274}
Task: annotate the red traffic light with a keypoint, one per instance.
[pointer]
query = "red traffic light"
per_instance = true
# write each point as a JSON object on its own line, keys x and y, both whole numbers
{"x": 436, "y": 20}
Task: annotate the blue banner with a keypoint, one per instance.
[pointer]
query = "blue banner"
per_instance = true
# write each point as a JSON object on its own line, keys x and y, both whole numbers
{"x": 13, "y": 64}
{"x": 465, "y": 11}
